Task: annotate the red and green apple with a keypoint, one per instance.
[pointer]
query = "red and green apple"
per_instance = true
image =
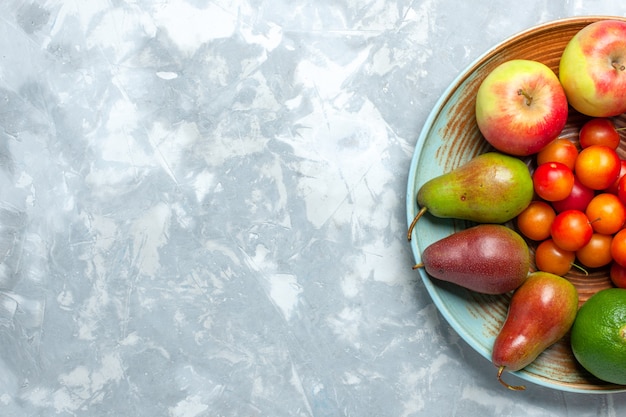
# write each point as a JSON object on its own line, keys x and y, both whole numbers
{"x": 593, "y": 69}
{"x": 521, "y": 107}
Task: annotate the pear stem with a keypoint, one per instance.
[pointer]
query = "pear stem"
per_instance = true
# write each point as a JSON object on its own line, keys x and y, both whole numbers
{"x": 414, "y": 222}
{"x": 511, "y": 387}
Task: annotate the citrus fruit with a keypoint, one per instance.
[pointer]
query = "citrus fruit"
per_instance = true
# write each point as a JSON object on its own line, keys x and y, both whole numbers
{"x": 598, "y": 337}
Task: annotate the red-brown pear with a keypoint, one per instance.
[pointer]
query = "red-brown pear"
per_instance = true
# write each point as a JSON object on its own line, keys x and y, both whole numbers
{"x": 541, "y": 311}
{"x": 487, "y": 258}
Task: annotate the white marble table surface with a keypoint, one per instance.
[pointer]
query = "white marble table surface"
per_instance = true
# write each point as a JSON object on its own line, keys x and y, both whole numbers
{"x": 202, "y": 209}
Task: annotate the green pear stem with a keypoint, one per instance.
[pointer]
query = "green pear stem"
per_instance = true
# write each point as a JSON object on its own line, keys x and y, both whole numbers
{"x": 414, "y": 222}
{"x": 511, "y": 387}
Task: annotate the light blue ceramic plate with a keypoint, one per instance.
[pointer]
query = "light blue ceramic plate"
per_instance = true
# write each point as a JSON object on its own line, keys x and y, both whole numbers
{"x": 449, "y": 138}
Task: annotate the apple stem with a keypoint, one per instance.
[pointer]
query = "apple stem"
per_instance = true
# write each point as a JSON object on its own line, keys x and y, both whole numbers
{"x": 618, "y": 66}
{"x": 529, "y": 98}
{"x": 418, "y": 266}
{"x": 511, "y": 387}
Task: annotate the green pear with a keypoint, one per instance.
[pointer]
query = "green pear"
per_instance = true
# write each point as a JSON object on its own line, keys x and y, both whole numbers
{"x": 490, "y": 188}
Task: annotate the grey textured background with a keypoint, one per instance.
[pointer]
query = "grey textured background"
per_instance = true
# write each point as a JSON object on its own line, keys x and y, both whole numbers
{"x": 202, "y": 209}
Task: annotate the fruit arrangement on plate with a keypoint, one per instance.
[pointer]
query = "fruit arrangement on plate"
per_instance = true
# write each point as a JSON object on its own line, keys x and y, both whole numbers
{"x": 517, "y": 205}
